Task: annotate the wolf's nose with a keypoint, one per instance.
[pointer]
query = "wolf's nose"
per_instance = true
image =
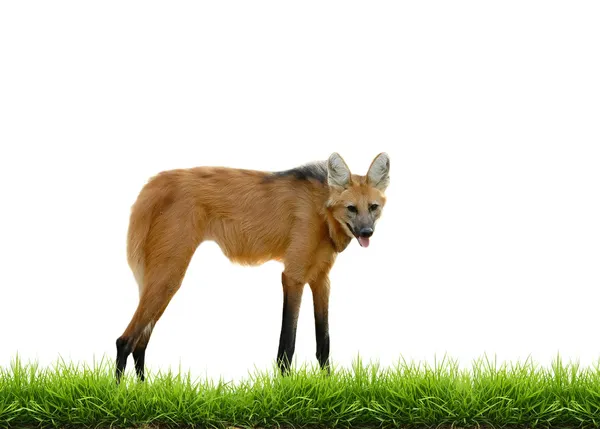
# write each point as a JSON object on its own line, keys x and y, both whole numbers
{"x": 366, "y": 232}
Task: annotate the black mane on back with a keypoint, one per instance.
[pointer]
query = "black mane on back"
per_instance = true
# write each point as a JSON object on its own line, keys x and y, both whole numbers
{"x": 314, "y": 170}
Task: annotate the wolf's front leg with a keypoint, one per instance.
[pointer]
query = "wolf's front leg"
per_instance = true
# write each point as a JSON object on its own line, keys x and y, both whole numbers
{"x": 292, "y": 298}
{"x": 320, "y": 292}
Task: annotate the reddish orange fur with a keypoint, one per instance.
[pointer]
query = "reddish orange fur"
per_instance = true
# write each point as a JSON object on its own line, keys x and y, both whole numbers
{"x": 253, "y": 216}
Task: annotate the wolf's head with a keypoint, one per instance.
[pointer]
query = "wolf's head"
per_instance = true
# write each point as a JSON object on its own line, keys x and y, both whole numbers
{"x": 356, "y": 201}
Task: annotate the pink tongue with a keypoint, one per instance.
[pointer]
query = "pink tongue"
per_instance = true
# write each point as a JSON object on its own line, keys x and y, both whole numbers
{"x": 364, "y": 241}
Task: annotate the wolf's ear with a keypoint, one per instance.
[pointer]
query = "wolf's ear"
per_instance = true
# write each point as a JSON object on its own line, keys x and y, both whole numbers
{"x": 379, "y": 172}
{"x": 338, "y": 173}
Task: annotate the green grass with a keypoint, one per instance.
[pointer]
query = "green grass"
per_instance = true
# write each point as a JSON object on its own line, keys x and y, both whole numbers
{"x": 408, "y": 394}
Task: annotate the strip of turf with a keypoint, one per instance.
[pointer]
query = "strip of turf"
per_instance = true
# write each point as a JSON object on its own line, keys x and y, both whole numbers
{"x": 406, "y": 395}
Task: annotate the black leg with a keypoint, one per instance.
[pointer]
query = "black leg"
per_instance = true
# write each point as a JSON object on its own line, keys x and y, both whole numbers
{"x": 292, "y": 297}
{"x": 322, "y": 334}
{"x": 139, "y": 356}
{"x": 320, "y": 291}
{"x": 123, "y": 351}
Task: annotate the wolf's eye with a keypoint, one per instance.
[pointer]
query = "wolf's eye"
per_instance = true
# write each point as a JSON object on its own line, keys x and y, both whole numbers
{"x": 352, "y": 209}
{"x": 373, "y": 207}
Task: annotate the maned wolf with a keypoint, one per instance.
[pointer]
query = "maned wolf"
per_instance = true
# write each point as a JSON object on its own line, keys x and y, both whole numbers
{"x": 303, "y": 217}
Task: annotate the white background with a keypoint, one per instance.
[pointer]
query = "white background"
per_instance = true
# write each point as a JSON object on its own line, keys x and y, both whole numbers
{"x": 490, "y": 242}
